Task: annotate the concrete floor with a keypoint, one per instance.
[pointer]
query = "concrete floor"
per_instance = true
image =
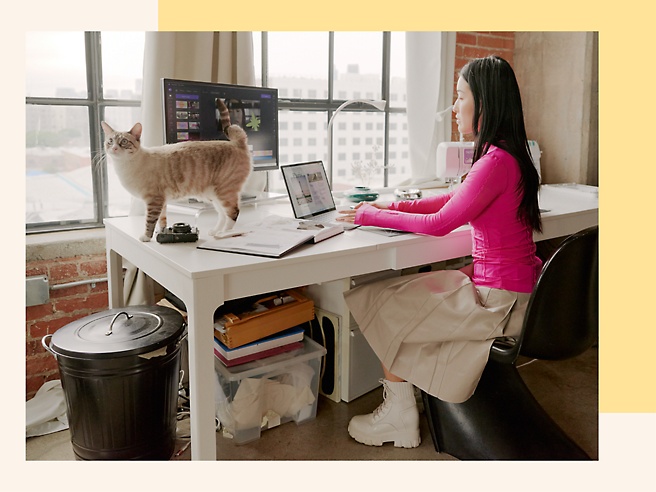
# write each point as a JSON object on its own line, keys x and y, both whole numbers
{"x": 568, "y": 390}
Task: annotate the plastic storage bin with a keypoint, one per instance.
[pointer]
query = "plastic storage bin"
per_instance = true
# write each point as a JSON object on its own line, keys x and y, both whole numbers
{"x": 268, "y": 392}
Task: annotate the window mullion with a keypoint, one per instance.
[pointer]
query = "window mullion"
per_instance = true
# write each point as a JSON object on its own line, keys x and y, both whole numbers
{"x": 385, "y": 95}
{"x": 95, "y": 91}
{"x": 331, "y": 96}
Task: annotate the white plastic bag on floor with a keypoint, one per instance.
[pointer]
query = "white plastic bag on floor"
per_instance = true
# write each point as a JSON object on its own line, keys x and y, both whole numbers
{"x": 46, "y": 412}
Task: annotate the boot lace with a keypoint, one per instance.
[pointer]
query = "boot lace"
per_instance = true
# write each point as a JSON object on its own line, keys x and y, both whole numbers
{"x": 381, "y": 410}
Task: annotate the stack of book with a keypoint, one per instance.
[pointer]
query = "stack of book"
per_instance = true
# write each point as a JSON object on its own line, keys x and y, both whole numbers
{"x": 269, "y": 326}
{"x": 284, "y": 341}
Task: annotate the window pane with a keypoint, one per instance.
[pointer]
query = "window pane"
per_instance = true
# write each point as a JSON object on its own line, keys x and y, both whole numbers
{"x": 122, "y": 119}
{"x": 58, "y": 165}
{"x": 122, "y": 64}
{"x": 302, "y": 137}
{"x": 358, "y": 65}
{"x": 399, "y": 154}
{"x": 55, "y": 64}
{"x": 366, "y": 154}
{"x": 298, "y": 64}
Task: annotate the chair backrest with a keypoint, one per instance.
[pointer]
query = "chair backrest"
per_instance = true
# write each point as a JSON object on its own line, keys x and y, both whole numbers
{"x": 562, "y": 317}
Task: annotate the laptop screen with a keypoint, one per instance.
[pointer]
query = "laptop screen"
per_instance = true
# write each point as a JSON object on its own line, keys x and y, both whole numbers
{"x": 308, "y": 188}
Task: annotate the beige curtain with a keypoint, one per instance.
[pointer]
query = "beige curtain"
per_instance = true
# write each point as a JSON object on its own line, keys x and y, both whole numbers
{"x": 225, "y": 57}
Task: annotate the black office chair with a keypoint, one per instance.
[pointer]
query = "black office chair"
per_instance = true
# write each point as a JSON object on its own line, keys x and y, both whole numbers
{"x": 502, "y": 420}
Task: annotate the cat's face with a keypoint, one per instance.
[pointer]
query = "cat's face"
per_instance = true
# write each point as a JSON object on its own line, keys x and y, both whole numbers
{"x": 121, "y": 144}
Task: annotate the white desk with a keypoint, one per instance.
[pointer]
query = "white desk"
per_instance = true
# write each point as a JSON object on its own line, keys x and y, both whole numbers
{"x": 203, "y": 280}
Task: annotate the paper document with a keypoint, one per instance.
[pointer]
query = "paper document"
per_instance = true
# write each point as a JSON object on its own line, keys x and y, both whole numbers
{"x": 272, "y": 237}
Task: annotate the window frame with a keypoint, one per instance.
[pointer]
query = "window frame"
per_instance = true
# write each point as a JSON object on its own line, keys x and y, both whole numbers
{"x": 96, "y": 104}
{"x": 331, "y": 103}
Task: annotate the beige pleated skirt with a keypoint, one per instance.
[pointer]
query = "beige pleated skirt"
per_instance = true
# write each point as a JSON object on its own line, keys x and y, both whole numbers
{"x": 435, "y": 329}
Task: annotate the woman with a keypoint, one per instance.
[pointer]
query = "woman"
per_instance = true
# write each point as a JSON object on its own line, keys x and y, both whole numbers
{"x": 434, "y": 330}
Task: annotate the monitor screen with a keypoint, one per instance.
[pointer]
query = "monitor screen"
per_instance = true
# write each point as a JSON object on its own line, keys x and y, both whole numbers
{"x": 190, "y": 114}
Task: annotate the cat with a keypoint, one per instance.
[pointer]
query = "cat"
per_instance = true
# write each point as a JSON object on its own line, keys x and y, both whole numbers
{"x": 213, "y": 170}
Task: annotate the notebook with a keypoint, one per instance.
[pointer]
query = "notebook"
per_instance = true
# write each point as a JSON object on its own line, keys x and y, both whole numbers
{"x": 310, "y": 193}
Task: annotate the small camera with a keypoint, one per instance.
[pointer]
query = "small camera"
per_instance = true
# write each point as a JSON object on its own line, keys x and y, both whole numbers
{"x": 178, "y": 233}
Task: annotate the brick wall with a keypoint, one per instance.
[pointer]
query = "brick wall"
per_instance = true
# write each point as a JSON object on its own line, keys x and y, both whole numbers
{"x": 65, "y": 306}
{"x": 477, "y": 45}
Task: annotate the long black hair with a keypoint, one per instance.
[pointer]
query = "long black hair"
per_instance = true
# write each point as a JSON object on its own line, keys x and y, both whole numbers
{"x": 499, "y": 121}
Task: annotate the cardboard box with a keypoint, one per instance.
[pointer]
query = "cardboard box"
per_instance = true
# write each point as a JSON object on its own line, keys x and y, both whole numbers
{"x": 268, "y": 392}
{"x": 272, "y": 314}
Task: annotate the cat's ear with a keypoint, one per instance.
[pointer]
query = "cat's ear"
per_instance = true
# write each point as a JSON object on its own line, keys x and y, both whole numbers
{"x": 136, "y": 131}
{"x": 106, "y": 128}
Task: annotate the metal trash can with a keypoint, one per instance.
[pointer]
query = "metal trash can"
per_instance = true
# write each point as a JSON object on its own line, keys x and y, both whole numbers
{"x": 120, "y": 373}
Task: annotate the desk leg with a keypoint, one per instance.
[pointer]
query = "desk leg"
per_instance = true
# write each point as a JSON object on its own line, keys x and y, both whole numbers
{"x": 115, "y": 279}
{"x": 200, "y": 311}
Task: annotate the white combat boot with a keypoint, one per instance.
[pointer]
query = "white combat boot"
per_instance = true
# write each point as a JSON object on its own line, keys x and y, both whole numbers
{"x": 396, "y": 419}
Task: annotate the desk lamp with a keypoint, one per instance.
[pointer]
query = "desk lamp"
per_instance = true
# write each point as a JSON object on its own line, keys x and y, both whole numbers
{"x": 378, "y": 104}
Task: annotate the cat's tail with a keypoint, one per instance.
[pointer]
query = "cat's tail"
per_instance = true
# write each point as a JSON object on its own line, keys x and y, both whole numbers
{"x": 237, "y": 135}
{"x": 224, "y": 115}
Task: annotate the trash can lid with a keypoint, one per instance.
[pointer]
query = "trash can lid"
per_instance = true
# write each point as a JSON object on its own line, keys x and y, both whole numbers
{"x": 131, "y": 330}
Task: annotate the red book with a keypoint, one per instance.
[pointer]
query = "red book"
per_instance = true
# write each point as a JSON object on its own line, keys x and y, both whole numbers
{"x": 257, "y": 355}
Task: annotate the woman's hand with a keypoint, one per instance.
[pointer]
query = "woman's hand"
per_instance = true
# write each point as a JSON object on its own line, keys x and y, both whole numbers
{"x": 349, "y": 215}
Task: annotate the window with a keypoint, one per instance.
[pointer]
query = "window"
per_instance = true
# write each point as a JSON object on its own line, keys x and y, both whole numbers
{"x": 73, "y": 81}
{"x": 331, "y": 68}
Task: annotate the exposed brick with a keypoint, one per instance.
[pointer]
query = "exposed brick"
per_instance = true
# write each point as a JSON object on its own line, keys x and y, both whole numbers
{"x": 47, "y": 327}
{"x": 89, "y": 302}
{"x": 34, "y": 382}
{"x": 493, "y": 42}
{"x": 35, "y": 270}
{"x": 63, "y": 272}
{"x": 468, "y": 38}
{"x": 99, "y": 287}
{"x": 38, "y": 312}
{"x": 94, "y": 268}
{"x": 98, "y": 301}
{"x": 33, "y": 347}
{"x": 41, "y": 364}
{"x": 471, "y": 52}
{"x": 32, "y": 385}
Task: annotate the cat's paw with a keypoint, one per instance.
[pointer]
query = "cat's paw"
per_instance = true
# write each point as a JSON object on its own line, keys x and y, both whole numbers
{"x": 145, "y": 238}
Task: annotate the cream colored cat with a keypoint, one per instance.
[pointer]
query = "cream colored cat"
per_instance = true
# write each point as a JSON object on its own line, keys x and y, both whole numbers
{"x": 212, "y": 171}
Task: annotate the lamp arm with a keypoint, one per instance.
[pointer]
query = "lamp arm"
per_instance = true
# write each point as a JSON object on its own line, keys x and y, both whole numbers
{"x": 379, "y": 104}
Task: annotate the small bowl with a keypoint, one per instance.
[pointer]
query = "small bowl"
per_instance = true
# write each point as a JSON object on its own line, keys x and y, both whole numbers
{"x": 361, "y": 194}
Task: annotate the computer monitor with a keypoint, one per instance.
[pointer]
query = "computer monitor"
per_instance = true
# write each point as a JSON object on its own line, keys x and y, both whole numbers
{"x": 190, "y": 114}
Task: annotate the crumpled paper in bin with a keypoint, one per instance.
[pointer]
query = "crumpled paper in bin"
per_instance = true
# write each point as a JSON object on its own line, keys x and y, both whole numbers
{"x": 263, "y": 398}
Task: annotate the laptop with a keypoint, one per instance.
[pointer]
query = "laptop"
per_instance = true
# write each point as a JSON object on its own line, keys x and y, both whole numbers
{"x": 310, "y": 193}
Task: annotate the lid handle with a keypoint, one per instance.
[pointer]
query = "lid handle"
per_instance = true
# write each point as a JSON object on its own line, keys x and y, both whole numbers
{"x": 111, "y": 325}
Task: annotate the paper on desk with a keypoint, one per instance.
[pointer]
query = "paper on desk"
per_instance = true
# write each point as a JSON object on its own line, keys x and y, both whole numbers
{"x": 277, "y": 222}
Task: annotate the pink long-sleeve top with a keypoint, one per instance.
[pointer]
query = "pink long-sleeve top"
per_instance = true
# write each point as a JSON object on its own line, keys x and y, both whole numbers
{"x": 503, "y": 250}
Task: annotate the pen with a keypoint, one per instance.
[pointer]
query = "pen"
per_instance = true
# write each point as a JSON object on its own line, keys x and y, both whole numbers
{"x": 183, "y": 449}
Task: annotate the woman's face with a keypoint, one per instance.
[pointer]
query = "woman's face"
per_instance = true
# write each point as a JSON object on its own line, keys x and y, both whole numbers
{"x": 463, "y": 108}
